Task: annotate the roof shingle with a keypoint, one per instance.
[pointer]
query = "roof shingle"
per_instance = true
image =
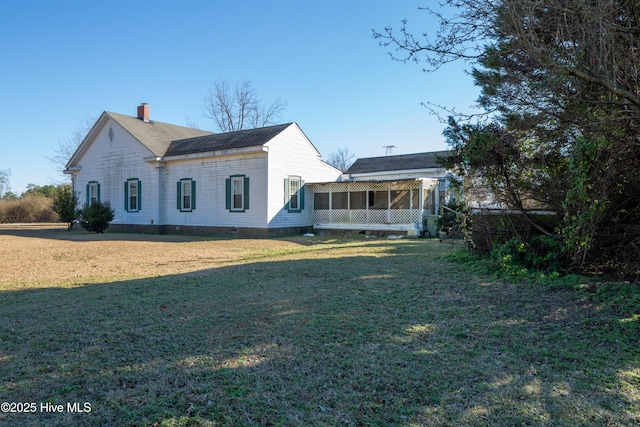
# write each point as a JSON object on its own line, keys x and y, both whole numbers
{"x": 225, "y": 141}
{"x": 156, "y": 136}
{"x": 396, "y": 163}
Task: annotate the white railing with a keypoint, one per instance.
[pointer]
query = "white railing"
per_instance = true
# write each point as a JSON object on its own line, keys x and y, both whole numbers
{"x": 368, "y": 216}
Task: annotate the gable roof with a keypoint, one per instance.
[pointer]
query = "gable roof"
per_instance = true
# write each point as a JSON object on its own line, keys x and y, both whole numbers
{"x": 225, "y": 141}
{"x": 156, "y": 136}
{"x": 397, "y": 163}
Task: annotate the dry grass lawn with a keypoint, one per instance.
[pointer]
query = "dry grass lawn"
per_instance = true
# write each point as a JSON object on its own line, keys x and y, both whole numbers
{"x": 145, "y": 330}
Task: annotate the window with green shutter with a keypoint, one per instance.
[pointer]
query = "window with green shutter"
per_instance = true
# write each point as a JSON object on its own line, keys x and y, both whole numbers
{"x": 237, "y": 193}
{"x": 186, "y": 195}
{"x": 93, "y": 192}
{"x": 294, "y": 194}
{"x": 132, "y": 195}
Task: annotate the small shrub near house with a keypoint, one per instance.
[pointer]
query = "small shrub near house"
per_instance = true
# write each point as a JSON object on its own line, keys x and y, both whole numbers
{"x": 455, "y": 216}
{"x": 96, "y": 216}
{"x": 65, "y": 204}
{"x": 517, "y": 257}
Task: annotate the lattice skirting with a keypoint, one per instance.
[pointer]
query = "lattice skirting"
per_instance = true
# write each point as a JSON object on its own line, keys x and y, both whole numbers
{"x": 371, "y": 216}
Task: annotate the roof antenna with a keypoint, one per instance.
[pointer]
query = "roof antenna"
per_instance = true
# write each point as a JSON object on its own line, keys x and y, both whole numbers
{"x": 388, "y": 149}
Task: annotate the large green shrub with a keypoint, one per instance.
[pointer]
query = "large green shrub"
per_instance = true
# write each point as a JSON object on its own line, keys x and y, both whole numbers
{"x": 96, "y": 216}
{"x": 455, "y": 216}
{"x": 516, "y": 257}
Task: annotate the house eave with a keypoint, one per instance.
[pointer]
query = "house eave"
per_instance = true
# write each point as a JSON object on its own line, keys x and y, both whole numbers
{"x": 153, "y": 159}
{"x": 414, "y": 172}
{"x": 72, "y": 170}
{"x": 424, "y": 180}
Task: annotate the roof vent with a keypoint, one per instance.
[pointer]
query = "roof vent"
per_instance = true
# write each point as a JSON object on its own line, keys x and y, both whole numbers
{"x": 143, "y": 112}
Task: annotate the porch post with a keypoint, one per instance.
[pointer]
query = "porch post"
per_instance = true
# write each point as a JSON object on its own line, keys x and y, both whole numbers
{"x": 161, "y": 195}
{"x": 388, "y": 203}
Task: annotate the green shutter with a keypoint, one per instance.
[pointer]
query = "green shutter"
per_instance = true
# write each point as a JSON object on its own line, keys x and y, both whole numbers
{"x": 246, "y": 193}
{"x": 88, "y": 188}
{"x": 193, "y": 195}
{"x": 301, "y": 193}
{"x": 287, "y": 193}
{"x": 139, "y": 195}
{"x": 98, "y": 185}
{"x": 126, "y": 196}
{"x": 228, "y": 194}
{"x": 179, "y": 193}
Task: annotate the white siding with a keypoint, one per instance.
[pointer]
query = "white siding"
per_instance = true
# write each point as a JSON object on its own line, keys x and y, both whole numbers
{"x": 111, "y": 163}
{"x": 210, "y": 176}
{"x": 292, "y": 154}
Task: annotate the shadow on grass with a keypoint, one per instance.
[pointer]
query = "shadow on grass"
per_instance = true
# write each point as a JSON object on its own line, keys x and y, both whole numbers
{"x": 403, "y": 339}
{"x": 56, "y": 231}
{"x": 60, "y": 232}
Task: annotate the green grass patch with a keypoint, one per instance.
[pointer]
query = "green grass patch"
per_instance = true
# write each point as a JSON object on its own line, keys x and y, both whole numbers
{"x": 326, "y": 332}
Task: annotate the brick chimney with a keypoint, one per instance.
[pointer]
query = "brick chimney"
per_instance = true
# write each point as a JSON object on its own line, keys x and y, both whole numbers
{"x": 143, "y": 112}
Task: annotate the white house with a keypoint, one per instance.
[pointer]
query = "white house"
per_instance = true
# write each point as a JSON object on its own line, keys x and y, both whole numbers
{"x": 164, "y": 178}
{"x": 392, "y": 194}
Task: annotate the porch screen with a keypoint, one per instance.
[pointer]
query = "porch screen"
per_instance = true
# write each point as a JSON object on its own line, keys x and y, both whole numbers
{"x": 378, "y": 199}
{"x": 321, "y": 201}
{"x": 358, "y": 200}
{"x": 400, "y": 199}
{"x": 339, "y": 200}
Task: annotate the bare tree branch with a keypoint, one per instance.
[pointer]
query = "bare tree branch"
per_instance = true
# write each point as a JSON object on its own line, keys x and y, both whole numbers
{"x": 5, "y": 178}
{"x": 341, "y": 159}
{"x": 68, "y": 145}
{"x": 239, "y": 107}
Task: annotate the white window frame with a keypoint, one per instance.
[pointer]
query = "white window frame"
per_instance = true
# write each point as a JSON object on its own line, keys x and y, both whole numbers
{"x": 186, "y": 195}
{"x": 93, "y": 193}
{"x": 133, "y": 195}
{"x": 237, "y": 195}
{"x": 294, "y": 193}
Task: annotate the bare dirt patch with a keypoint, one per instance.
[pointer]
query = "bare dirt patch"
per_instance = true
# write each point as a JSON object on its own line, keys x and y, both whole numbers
{"x": 47, "y": 255}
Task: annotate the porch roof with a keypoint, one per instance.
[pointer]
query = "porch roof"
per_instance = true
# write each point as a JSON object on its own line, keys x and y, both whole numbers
{"x": 375, "y": 181}
{"x": 402, "y": 162}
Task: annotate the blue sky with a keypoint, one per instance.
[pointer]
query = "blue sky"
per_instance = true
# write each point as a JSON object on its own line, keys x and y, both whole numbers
{"x": 64, "y": 62}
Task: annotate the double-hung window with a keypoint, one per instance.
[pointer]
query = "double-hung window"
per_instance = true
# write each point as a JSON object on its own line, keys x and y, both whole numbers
{"x": 294, "y": 188}
{"x": 132, "y": 195}
{"x": 294, "y": 194}
{"x": 93, "y": 192}
{"x": 186, "y": 195}
{"x": 237, "y": 193}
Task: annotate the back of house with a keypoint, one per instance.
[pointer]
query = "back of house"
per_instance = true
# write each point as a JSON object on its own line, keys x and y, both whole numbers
{"x": 164, "y": 178}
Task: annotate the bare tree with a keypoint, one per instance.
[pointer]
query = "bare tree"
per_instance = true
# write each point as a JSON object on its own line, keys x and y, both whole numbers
{"x": 239, "y": 107}
{"x": 5, "y": 176}
{"x": 341, "y": 159}
{"x": 67, "y": 146}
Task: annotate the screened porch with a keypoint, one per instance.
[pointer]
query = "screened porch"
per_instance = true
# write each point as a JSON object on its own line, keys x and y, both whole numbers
{"x": 398, "y": 205}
